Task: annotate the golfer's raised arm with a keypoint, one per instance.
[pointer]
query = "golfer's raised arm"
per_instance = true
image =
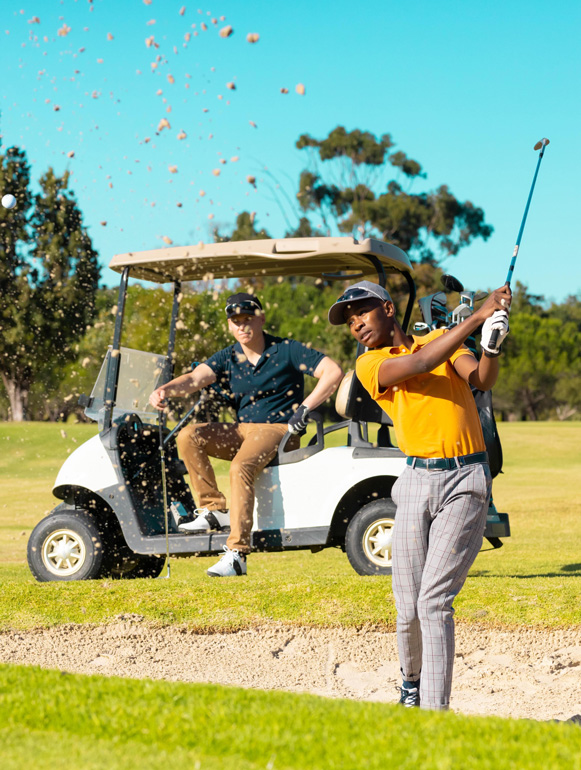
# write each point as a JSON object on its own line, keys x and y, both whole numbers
{"x": 201, "y": 377}
{"x": 396, "y": 370}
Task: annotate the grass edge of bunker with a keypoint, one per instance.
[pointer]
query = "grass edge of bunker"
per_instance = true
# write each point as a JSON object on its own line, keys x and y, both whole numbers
{"x": 113, "y": 521}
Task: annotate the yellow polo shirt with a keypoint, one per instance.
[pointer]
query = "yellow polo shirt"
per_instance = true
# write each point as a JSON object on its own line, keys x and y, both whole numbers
{"x": 434, "y": 414}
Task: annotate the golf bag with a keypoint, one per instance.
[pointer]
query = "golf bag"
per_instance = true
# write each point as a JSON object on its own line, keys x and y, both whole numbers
{"x": 491, "y": 438}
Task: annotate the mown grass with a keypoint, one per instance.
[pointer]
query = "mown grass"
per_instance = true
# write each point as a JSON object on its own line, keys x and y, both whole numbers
{"x": 96, "y": 722}
{"x": 535, "y": 579}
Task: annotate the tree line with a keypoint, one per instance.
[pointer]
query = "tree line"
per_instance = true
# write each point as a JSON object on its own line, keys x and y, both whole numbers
{"x": 56, "y": 323}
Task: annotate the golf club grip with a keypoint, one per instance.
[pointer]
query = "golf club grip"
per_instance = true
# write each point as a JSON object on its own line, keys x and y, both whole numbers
{"x": 496, "y": 332}
{"x": 494, "y": 338}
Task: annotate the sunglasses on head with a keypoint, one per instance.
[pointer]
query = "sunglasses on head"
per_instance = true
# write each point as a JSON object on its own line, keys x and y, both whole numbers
{"x": 247, "y": 306}
{"x": 356, "y": 294}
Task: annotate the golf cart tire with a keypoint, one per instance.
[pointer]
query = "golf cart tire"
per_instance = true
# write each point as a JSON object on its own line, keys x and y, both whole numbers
{"x": 368, "y": 538}
{"x": 66, "y": 546}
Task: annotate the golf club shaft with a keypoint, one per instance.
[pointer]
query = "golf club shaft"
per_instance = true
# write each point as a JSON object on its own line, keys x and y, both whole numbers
{"x": 524, "y": 219}
{"x": 164, "y": 492}
{"x": 543, "y": 143}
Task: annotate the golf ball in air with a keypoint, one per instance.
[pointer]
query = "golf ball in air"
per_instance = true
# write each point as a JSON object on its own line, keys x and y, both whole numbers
{"x": 8, "y": 201}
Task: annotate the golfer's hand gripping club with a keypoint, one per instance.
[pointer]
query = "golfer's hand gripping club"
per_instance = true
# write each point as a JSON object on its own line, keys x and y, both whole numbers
{"x": 298, "y": 422}
{"x": 494, "y": 342}
{"x": 497, "y": 325}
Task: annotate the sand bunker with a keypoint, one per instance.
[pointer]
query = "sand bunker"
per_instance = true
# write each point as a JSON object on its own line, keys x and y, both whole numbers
{"x": 524, "y": 674}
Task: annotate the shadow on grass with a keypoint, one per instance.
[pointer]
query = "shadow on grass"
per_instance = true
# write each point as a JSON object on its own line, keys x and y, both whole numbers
{"x": 567, "y": 570}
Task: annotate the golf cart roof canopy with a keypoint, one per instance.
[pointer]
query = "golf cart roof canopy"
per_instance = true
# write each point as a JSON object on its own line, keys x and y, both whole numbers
{"x": 338, "y": 258}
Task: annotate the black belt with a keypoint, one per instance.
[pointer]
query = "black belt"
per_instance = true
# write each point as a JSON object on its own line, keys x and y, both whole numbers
{"x": 447, "y": 463}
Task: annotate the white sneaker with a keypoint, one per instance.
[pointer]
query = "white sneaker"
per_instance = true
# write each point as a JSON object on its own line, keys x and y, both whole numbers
{"x": 206, "y": 521}
{"x": 231, "y": 564}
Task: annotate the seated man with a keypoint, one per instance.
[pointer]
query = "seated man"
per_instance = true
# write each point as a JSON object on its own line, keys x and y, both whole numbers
{"x": 265, "y": 375}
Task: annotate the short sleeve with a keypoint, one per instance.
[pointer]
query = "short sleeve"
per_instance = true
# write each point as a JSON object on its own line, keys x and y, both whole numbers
{"x": 463, "y": 350}
{"x": 218, "y": 362}
{"x": 367, "y": 370}
{"x": 303, "y": 358}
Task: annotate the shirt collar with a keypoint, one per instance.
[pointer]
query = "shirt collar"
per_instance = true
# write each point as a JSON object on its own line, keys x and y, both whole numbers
{"x": 270, "y": 345}
{"x": 418, "y": 342}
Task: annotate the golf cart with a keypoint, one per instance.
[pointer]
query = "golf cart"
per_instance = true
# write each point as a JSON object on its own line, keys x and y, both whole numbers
{"x": 118, "y": 486}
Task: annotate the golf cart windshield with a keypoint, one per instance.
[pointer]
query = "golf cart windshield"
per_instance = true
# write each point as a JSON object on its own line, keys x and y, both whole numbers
{"x": 140, "y": 373}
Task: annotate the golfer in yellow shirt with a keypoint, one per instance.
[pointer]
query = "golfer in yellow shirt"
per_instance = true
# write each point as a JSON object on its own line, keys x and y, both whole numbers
{"x": 423, "y": 383}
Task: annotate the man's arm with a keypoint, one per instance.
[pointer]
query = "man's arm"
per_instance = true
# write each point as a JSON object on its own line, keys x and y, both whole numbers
{"x": 201, "y": 377}
{"x": 395, "y": 370}
{"x": 481, "y": 374}
{"x": 329, "y": 374}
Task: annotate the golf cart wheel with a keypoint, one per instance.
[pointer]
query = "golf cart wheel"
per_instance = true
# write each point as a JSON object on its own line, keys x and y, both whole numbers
{"x": 368, "y": 538}
{"x": 65, "y": 546}
{"x": 138, "y": 566}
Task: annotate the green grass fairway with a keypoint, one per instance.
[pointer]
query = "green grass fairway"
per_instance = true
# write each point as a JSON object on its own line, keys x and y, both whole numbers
{"x": 535, "y": 579}
{"x": 95, "y": 722}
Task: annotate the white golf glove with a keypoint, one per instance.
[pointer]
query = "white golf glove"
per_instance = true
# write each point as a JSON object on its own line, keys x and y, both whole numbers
{"x": 497, "y": 321}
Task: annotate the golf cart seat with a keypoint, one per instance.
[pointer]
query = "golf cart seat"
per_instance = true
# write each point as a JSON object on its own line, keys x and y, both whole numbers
{"x": 354, "y": 403}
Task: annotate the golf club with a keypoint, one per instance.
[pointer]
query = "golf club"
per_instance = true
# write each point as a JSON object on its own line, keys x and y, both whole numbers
{"x": 164, "y": 493}
{"x": 538, "y": 146}
{"x": 451, "y": 284}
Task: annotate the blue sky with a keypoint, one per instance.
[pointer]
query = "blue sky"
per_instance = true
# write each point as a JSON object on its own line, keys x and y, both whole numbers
{"x": 465, "y": 88}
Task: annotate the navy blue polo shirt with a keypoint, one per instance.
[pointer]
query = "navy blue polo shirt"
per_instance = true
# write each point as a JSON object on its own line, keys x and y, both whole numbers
{"x": 271, "y": 390}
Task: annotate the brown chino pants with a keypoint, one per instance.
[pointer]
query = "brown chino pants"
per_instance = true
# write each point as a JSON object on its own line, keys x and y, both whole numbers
{"x": 250, "y": 447}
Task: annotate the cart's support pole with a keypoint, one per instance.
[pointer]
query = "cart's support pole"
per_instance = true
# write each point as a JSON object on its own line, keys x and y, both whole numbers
{"x": 411, "y": 300}
{"x": 177, "y": 298}
{"x": 112, "y": 377}
{"x": 411, "y": 286}
{"x": 169, "y": 362}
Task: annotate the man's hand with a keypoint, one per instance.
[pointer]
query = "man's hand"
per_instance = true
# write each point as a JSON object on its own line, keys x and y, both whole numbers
{"x": 298, "y": 422}
{"x": 497, "y": 321}
{"x": 499, "y": 299}
{"x": 157, "y": 399}
{"x": 182, "y": 386}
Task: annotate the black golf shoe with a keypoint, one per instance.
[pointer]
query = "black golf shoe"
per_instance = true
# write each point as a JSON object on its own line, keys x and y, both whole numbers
{"x": 410, "y": 696}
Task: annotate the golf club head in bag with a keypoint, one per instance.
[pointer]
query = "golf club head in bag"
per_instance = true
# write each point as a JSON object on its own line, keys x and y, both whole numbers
{"x": 451, "y": 284}
{"x": 434, "y": 311}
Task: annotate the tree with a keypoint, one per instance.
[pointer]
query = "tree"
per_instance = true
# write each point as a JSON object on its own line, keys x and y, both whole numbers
{"x": 525, "y": 302}
{"x": 244, "y": 230}
{"x": 355, "y": 192}
{"x": 48, "y": 279}
{"x": 539, "y": 369}
{"x": 567, "y": 311}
